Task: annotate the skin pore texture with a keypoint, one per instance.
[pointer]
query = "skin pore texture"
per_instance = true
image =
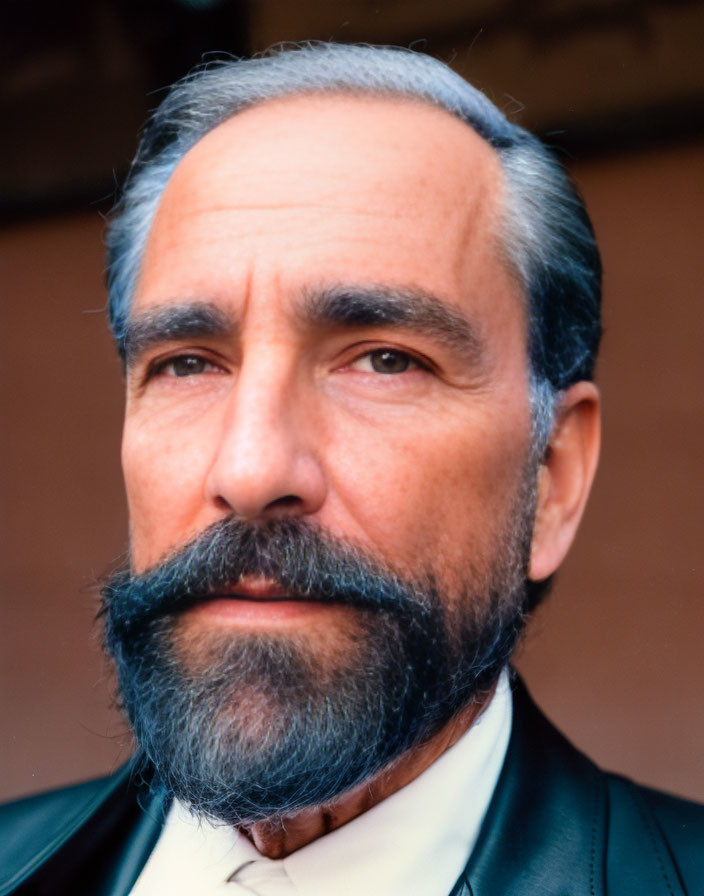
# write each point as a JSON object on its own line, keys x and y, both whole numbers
{"x": 381, "y": 430}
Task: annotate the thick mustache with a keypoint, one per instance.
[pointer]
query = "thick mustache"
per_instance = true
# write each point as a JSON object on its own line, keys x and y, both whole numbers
{"x": 305, "y": 562}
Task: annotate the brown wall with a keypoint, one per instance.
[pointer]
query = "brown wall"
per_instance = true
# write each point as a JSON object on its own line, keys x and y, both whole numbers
{"x": 615, "y": 657}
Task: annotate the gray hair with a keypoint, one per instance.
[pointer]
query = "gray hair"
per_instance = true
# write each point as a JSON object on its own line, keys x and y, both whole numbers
{"x": 546, "y": 234}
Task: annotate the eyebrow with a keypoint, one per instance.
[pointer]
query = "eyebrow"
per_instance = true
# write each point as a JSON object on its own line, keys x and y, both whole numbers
{"x": 406, "y": 307}
{"x": 169, "y": 323}
{"x": 332, "y": 306}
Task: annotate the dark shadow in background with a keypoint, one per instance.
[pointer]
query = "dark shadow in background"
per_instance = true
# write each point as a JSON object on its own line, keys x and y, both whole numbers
{"x": 77, "y": 80}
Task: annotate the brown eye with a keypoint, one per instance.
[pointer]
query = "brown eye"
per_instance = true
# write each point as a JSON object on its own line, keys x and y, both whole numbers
{"x": 188, "y": 365}
{"x": 185, "y": 365}
{"x": 386, "y": 360}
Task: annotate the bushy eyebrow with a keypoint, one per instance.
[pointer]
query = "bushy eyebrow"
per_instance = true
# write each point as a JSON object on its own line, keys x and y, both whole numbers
{"x": 346, "y": 307}
{"x": 168, "y": 323}
{"x": 405, "y": 307}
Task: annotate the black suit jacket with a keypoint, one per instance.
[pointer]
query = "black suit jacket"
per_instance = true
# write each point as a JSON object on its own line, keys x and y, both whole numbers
{"x": 556, "y": 826}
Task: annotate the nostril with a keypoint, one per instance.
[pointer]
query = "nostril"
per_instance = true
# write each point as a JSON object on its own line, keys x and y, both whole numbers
{"x": 285, "y": 502}
{"x": 277, "y": 484}
{"x": 222, "y": 503}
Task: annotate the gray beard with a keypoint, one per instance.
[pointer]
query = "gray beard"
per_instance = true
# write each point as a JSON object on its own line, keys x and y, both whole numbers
{"x": 249, "y": 727}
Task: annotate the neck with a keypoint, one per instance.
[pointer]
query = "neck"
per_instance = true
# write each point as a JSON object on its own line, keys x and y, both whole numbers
{"x": 277, "y": 839}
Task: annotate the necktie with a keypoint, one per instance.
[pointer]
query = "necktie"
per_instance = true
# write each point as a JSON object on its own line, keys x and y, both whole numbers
{"x": 262, "y": 877}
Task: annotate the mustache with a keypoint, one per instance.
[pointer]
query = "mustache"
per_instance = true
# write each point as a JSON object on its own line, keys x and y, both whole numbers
{"x": 298, "y": 556}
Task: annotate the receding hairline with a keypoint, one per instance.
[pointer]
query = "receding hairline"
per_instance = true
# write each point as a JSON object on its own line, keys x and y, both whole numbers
{"x": 546, "y": 239}
{"x": 326, "y": 97}
{"x": 492, "y": 188}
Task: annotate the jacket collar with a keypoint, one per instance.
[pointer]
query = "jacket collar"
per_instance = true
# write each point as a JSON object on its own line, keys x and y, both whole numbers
{"x": 545, "y": 830}
{"x": 92, "y": 838}
{"x": 559, "y": 826}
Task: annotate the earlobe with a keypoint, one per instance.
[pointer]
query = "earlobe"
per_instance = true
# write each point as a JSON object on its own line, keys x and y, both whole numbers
{"x": 565, "y": 477}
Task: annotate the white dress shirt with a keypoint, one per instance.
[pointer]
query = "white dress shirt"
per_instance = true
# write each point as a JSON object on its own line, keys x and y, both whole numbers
{"x": 416, "y": 842}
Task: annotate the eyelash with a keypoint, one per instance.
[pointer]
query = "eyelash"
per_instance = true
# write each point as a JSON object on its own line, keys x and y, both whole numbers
{"x": 413, "y": 362}
{"x": 158, "y": 368}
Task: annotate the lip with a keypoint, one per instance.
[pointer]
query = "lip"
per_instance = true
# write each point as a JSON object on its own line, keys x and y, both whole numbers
{"x": 251, "y": 588}
{"x": 258, "y": 603}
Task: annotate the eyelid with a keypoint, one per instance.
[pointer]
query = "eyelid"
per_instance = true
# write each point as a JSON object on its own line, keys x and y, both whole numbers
{"x": 363, "y": 350}
{"x": 156, "y": 366}
{"x": 360, "y": 362}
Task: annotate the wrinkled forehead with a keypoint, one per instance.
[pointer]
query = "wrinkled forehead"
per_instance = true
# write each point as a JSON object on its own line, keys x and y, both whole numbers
{"x": 395, "y": 172}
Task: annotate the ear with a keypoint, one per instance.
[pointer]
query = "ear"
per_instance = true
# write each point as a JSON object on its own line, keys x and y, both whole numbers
{"x": 565, "y": 478}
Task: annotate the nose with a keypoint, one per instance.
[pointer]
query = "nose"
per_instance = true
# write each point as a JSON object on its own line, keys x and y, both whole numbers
{"x": 265, "y": 463}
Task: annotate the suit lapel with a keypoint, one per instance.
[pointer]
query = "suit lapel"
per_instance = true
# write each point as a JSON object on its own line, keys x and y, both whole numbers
{"x": 136, "y": 838}
{"x": 113, "y": 826}
{"x": 545, "y": 830}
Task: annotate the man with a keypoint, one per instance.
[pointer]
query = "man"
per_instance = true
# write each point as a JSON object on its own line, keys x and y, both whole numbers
{"x": 359, "y": 313}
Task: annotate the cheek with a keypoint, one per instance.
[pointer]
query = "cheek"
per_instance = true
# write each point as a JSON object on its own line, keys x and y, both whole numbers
{"x": 164, "y": 479}
{"x": 436, "y": 501}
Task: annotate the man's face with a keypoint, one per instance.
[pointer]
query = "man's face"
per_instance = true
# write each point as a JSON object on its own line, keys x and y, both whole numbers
{"x": 324, "y": 331}
{"x": 402, "y": 439}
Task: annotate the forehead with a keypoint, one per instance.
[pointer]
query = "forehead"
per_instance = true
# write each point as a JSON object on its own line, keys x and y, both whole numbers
{"x": 331, "y": 187}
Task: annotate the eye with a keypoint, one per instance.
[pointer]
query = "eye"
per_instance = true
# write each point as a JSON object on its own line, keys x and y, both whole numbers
{"x": 185, "y": 365}
{"x": 387, "y": 361}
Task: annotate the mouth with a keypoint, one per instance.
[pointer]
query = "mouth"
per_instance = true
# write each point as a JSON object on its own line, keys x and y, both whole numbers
{"x": 257, "y": 603}
{"x": 256, "y": 588}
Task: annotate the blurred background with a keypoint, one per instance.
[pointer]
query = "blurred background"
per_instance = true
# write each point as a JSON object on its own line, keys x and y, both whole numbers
{"x": 617, "y": 87}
